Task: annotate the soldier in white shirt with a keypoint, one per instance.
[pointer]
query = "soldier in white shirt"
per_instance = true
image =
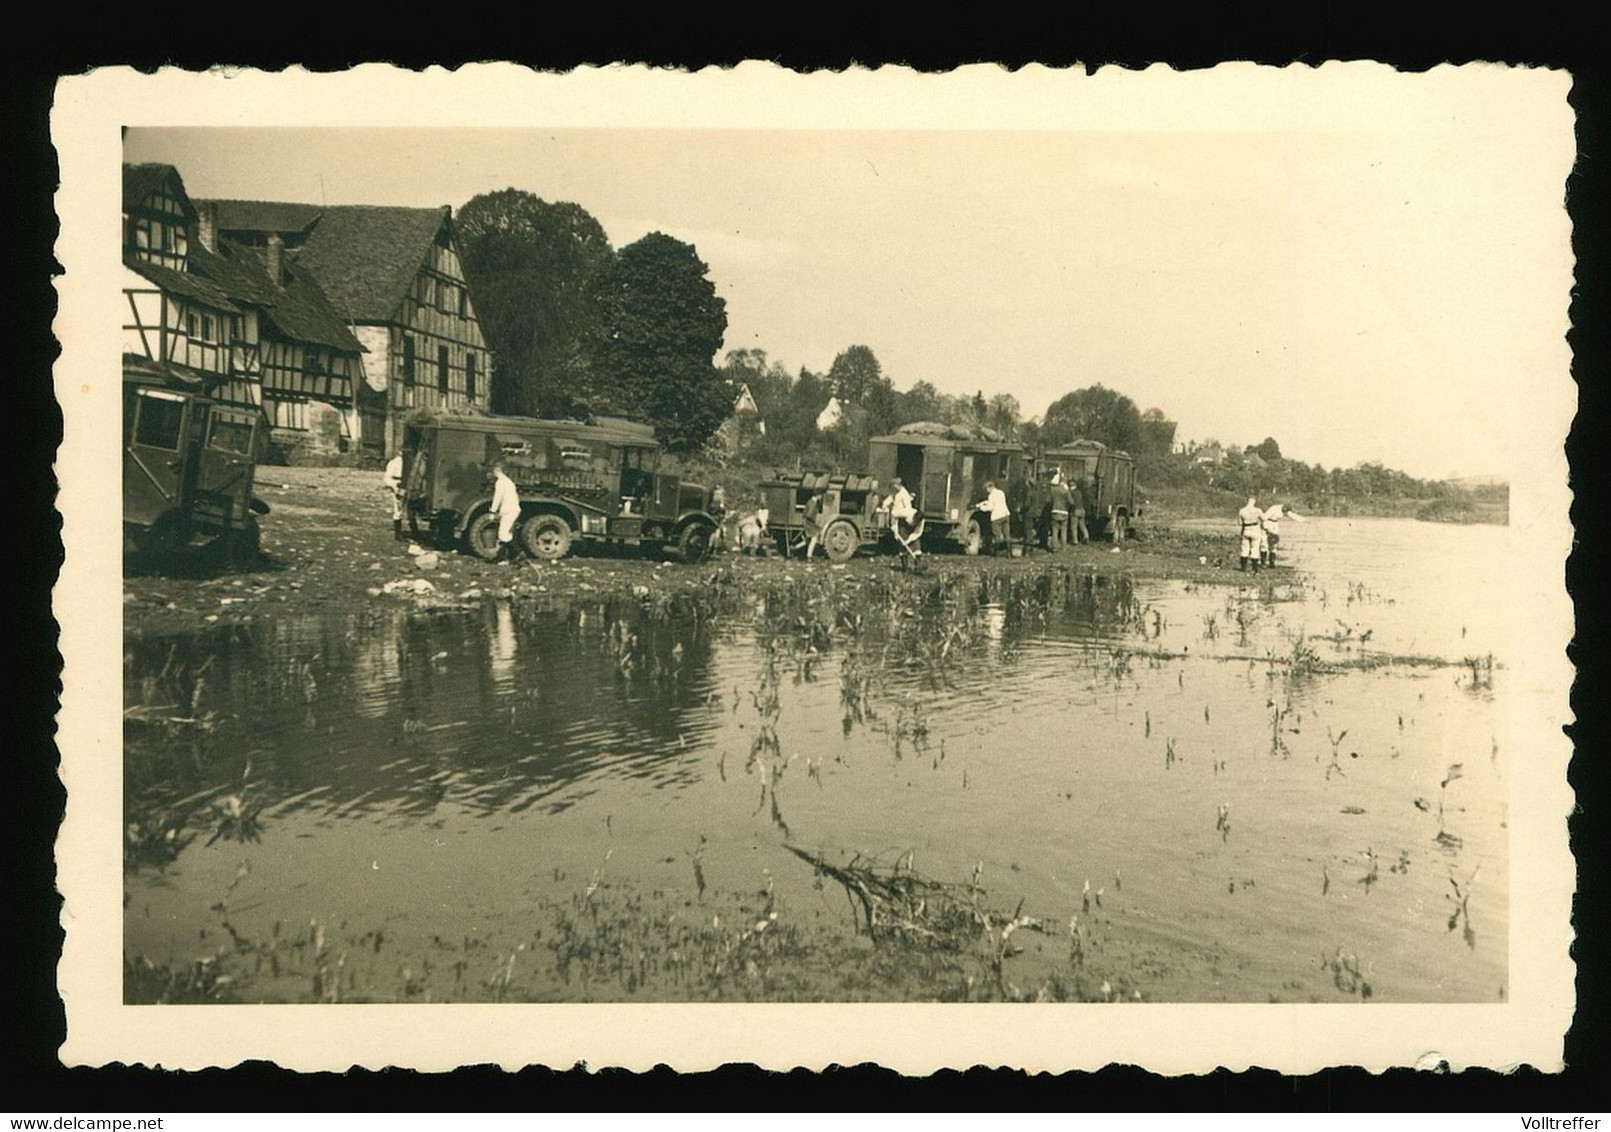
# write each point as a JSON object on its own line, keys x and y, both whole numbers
{"x": 1252, "y": 520}
{"x": 505, "y": 508}
{"x": 393, "y": 481}
{"x": 995, "y": 505}
{"x": 1272, "y": 529}
{"x": 903, "y": 517}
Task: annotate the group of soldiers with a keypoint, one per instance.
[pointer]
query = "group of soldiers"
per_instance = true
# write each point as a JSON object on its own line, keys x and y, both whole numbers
{"x": 1054, "y": 511}
{"x": 1050, "y": 513}
{"x": 1261, "y": 532}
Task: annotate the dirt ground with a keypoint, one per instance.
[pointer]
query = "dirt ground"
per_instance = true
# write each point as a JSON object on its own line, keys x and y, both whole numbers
{"x": 328, "y": 545}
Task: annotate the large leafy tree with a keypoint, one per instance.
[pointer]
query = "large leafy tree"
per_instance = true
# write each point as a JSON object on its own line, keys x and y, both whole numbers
{"x": 659, "y": 326}
{"x": 1093, "y": 413}
{"x": 858, "y": 380}
{"x": 533, "y": 267}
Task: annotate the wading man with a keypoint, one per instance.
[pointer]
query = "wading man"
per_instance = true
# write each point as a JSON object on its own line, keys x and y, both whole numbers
{"x": 1252, "y": 520}
{"x": 1272, "y": 529}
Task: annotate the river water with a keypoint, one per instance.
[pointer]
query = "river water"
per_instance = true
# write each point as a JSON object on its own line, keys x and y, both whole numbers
{"x": 1288, "y": 789}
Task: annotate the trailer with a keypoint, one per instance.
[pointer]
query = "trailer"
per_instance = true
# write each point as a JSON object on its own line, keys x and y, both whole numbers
{"x": 1107, "y": 479}
{"x": 945, "y": 467}
{"x": 594, "y": 482}
{"x": 189, "y": 464}
{"x": 849, "y": 520}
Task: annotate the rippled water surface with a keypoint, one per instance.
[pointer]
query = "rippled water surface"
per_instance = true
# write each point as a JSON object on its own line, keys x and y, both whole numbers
{"x": 1292, "y": 789}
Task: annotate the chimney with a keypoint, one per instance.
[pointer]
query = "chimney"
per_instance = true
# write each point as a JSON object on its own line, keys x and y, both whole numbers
{"x": 276, "y": 260}
{"x": 207, "y": 225}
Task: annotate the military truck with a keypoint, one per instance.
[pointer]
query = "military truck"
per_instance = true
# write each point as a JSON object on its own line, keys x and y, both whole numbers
{"x": 945, "y": 467}
{"x": 850, "y": 518}
{"x": 188, "y": 468}
{"x": 596, "y": 482}
{"x": 1107, "y": 478}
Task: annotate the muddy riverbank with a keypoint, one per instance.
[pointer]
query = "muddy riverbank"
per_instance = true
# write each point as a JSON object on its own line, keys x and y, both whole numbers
{"x": 328, "y": 546}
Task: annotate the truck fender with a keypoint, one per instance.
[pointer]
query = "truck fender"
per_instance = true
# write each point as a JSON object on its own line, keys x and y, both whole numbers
{"x": 470, "y": 514}
{"x": 552, "y": 507}
{"x": 690, "y": 516}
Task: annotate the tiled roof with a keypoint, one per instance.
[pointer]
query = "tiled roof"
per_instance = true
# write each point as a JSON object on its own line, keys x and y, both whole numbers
{"x": 140, "y": 181}
{"x": 264, "y": 216}
{"x": 298, "y": 308}
{"x": 188, "y": 284}
{"x": 364, "y": 257}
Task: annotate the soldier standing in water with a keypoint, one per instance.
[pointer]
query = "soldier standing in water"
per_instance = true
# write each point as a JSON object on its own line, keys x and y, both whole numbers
{"x": 1252, "y": 520}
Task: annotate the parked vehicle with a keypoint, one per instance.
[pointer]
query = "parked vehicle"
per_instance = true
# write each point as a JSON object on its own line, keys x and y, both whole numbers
{"x": 188, "y": 468}
{"x": 1108, "y": 479}
{"x": 594, "y": 482}
{"x": 945, "y": 467}
{"x": 849, "y": 520}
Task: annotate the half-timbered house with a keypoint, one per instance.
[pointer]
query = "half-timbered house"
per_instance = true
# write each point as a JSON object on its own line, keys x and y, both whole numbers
{"x": 393, "y": 275}
{"x": 176, "y": 321}
{"x": 308, "y": 361}
{"x": 239, "y": 322}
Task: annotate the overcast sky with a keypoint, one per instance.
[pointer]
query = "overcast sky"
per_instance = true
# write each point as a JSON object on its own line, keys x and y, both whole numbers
{"x": 1378, "y": 288}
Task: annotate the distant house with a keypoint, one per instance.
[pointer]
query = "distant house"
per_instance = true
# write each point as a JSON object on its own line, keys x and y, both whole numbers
{"x": 393, "y": 275}
{"x": 235, "y": 320}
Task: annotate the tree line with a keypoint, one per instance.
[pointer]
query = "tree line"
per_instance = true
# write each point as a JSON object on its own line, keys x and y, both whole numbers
{"x": 580, "y": 328}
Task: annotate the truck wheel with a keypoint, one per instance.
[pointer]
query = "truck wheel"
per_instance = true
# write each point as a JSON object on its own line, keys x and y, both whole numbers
{"x": 546, "y": 536}
{"x": 972, "y": 537}
{"x": 840, "y": 541}
{"x": 694, "y": 544}
{"x": 481, "y": 537}
{"x": 241, "y": 547}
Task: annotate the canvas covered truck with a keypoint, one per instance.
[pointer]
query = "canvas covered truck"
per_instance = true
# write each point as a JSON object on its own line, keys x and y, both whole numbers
{"x": 945, "y": 467}
{"x": 189, "y": 464}
{"x": 1107, "y": 478}
{"x": 597, "y": 482}
{"x": 850, "y": 517}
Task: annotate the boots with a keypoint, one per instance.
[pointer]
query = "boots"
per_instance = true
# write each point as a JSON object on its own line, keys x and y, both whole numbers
{"x": 397, "y": 531}
{"x": 1244, "y": 563}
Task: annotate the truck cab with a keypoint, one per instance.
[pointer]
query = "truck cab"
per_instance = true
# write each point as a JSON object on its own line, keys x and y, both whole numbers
{"x": 189, "y": 465}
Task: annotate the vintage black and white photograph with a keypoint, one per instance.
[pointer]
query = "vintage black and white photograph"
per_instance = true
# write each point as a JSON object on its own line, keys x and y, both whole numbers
{"x": 1087, "y": 552}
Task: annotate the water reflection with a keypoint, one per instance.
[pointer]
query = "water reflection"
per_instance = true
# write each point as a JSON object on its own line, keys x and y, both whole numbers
{"x": 400, "y": 713}
{"x": 1046, "y": 728}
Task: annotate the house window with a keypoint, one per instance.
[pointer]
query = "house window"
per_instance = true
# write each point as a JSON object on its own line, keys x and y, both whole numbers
{"x": 442, "y": 384}
{"x": 469, "y": 374}
{"x": 464, "y": 302}
{"x": 192, "y": 324}
{"x": 408, "y": 360}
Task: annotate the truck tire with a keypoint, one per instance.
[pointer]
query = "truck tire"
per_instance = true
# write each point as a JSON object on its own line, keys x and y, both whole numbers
{"x": 972, "y": 537}
{"x": 241, "y": 547}
{"x": 693, "y": 545}
{"x": 546, "y": 536}
{"x": 840, "y": 540}
{"x": 481, "y": 536}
